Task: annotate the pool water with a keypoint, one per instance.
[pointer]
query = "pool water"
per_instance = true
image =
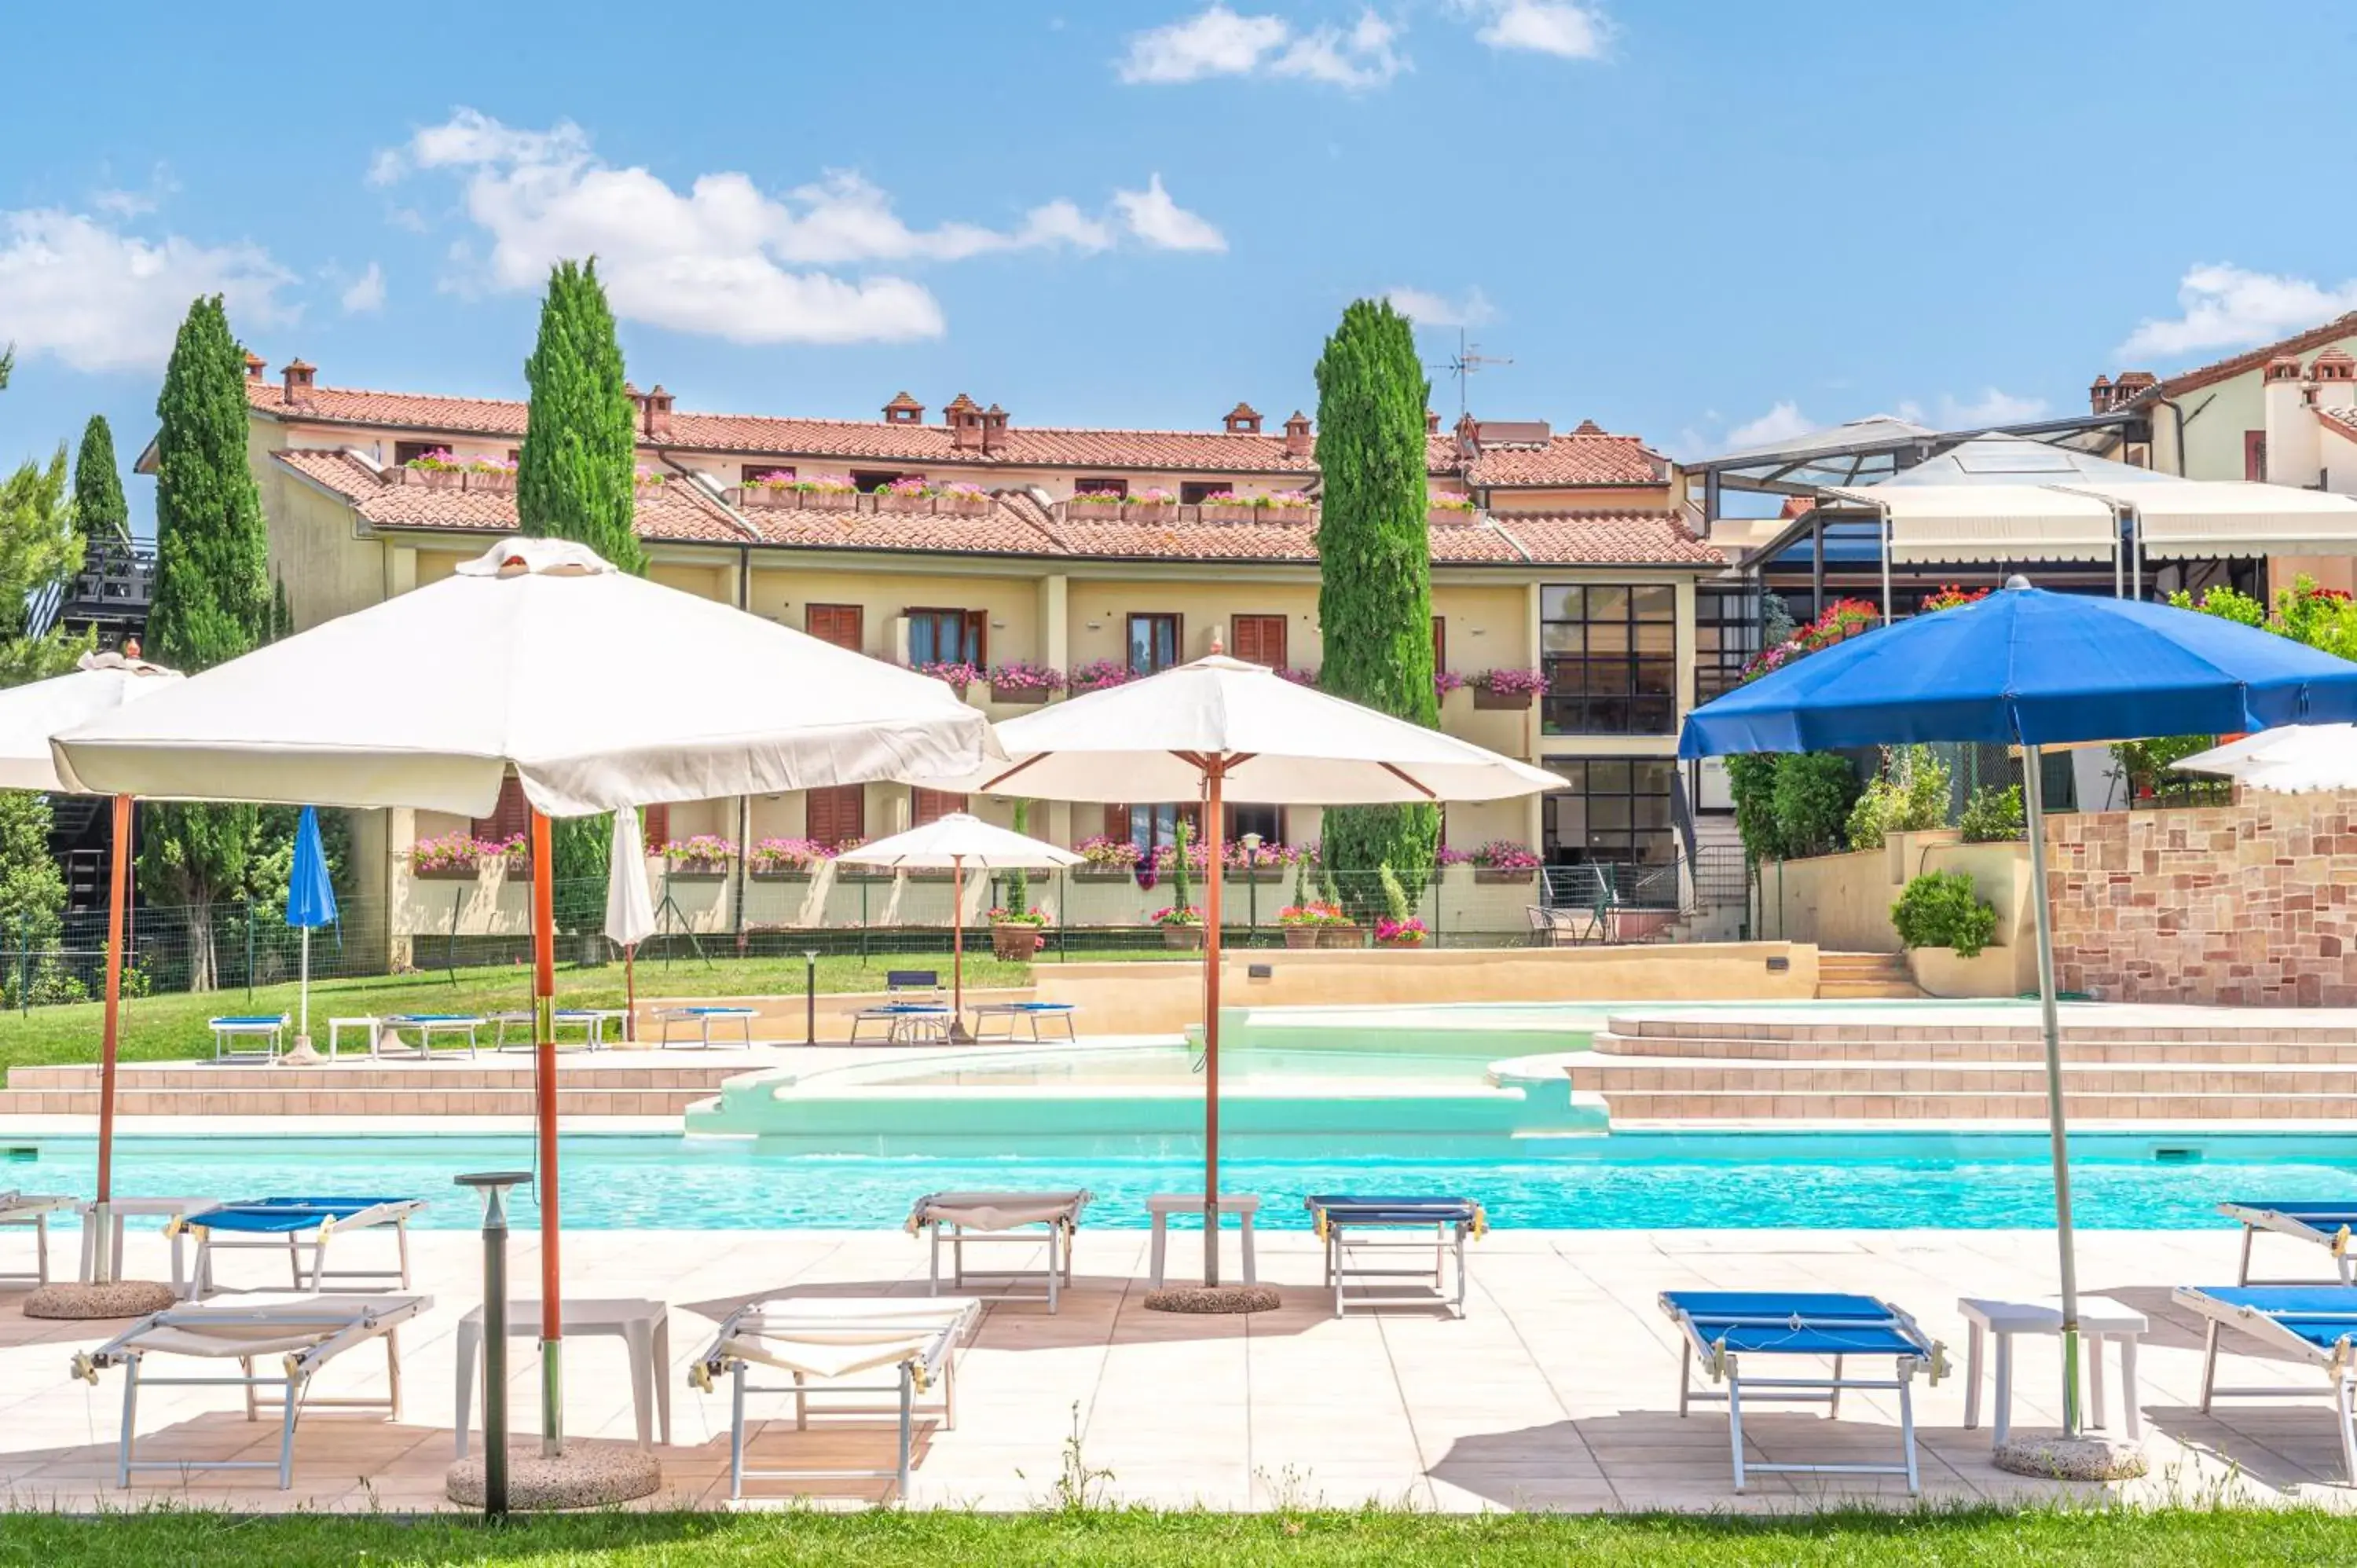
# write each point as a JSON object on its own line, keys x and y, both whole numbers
{"x": 1816, "y": 1180}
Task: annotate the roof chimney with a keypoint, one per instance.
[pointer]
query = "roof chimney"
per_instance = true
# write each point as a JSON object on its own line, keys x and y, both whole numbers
{"x": 1431, "y": 422}
{"x": 1587, "y": 427}
{"x": 638, "y": 406}
{"x": 904, "y": 410}
{"x": 1296, "y": 435}
{"x": 2333, "y": 372}
{"x": 2099, "y": 395}
{"x": 299, "y": 380}
{"x": 659, "y": 413}
{"x": 994, "y": 429}
{"x": 963, "y": 416}
{"x": 255, "y": 366}
{"x": 1243, "y": 420}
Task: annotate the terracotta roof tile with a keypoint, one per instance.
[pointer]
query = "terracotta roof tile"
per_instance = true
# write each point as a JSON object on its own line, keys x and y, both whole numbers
{"x": 1579, "y": 459}
{"x": 676, "y": 509}
{"x": 2249, "y": 360}
{"x": 2342, "y": 420}
{"x": 1605, "y": 539}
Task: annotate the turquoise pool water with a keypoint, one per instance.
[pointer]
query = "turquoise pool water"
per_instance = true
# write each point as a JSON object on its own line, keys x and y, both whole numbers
{"x": 1628, "y": 1180}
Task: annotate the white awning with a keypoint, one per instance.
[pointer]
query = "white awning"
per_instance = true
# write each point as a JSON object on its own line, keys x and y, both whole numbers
{"x": 2208, "y": 518}
{"x": 1942, "y": 523}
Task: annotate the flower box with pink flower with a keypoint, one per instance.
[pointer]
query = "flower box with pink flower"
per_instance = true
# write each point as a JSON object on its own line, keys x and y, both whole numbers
{"x": 1289, "y": 506}
{"x": 963, "y": 500}
{"x": 1448, "y": 512}
{"x": 1225, "y": 506}
{"x": 904, "y": 495}
{"x": 1508, "y": 689}
{"x": 460, "y": 856}
{"x": 1022, "y": 681}
{"x": 1504, "y": 860}
{"x": 703, "y": 857}
{"x": 1095, "y": 506}
{"x": 1150, "y": 506}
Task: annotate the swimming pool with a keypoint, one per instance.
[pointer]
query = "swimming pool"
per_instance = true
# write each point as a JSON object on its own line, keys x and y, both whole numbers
{"x": 1747, "y": 1180}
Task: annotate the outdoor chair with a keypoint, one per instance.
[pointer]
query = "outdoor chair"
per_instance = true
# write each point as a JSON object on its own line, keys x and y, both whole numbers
{"x": 2325, "y": 1225}
{"x": 296, "y": 1225}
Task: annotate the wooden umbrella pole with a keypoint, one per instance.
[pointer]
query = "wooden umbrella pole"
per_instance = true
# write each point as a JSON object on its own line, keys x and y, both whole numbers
{"x": 1212, "y": 815}
{"x": 957, "y": 945}
{"x": 118, "y": 895}
{"x": 543, "y": 1063}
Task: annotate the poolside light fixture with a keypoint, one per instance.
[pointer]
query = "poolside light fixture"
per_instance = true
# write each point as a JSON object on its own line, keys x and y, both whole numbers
{"x": 596, "y": 688}
{"x": 2034, "y": 669}
{"x": 1223, "y": 730}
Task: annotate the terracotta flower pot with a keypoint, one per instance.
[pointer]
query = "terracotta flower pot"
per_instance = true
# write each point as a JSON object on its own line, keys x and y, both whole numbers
{"x": 1015, "y": 943}
{"x": 1186, "y": 939}
{"x": 1341, "y": 936}
{"x": 1301, "y": 935}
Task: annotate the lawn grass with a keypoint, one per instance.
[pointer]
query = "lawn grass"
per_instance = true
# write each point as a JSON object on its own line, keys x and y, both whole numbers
{"x": 163, "y": 1028}
{"x": 2046, "y": 1538}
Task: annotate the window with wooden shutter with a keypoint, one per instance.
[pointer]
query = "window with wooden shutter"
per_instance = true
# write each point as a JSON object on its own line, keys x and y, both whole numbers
{"x": 841, "y": 625}
{"x": 1440, "y": 642}
{"x": 932, "y": 805}
{"x": 1154, "y": 642}
{"x": 947, "y": 636}
{"x": 838, "y": 815}
{"x": 1258, "y": 640}
{"x": 1116, "y": 822}
{"x": 511, "y": 818}
{"x": 658, "y": 828}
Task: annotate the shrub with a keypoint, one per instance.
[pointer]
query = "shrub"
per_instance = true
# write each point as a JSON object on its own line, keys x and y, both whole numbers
{"x": 1910, "y": 797}
{"x": 1395, "y": 900}
{"x": 1942, "y": 910}
{"x": 1993, "y": 815}
{"x": 1813, "y": 793}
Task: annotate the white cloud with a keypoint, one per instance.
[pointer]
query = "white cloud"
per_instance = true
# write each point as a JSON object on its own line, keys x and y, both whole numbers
{"x": 2228, "y": 306}
{"x": 1992, "y": 407}
{"x": 1559, "y": 28}
{"x": 1161, "y": 222}
{"x": 1221, "y": 42}
{"x": 1781, "y": 422}
{"x": 366, "y": 293}
{"x": 98, "y": 299}
{"x": 724, "y": 256}
{"x": 1427, "y": 308}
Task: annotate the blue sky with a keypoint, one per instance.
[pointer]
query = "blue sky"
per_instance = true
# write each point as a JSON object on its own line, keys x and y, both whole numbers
{"x": 1692, "y": 221}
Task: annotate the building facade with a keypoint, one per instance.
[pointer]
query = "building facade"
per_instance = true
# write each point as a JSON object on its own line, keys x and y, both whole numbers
{"x": 966, "y": 540}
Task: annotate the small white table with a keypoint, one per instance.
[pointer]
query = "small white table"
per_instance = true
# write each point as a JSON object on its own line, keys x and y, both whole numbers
{"x": 183, "y": 1283}
{"x": 1163, "y": 1205}
{"x": 336, "y": 1027}
{"x": 2100, "y": 1318}
{"x": 642, "y": 1326}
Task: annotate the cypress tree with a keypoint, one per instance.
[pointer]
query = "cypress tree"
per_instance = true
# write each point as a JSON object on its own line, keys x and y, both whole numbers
{"x": 576, "y": 476}
{"x": 211, "y": 603}
{"x": 99, "y": 511}
{"x": 1374, "y": 591}
{"x": 576, "y": 479}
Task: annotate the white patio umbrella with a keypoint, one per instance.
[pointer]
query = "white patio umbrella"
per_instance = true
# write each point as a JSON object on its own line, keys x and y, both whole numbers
{"x": 955, "y": 841}
{"x": 29, "y": 716}
{"x": 2290, "y": 760}
{"x": 1228, "y": 731}
{"x": 630, "y": 908}
{"x": 598, "y": 690}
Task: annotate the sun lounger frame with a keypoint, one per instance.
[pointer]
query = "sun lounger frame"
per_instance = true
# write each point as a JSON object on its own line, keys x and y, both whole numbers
{"x": 703, "y": 1018}
{"x": 379, "y": 1319}
{"x": 1058, "y": 1275}
{"x": 936, "y": 1365}
{"x": 2338, "y": 1364}
{"x": 1726, "y": 1366}
{"x": 315, "y": 1238}
{"x": 1452, "y": 1221}
{"x": 31, "y": 1211}
{"x": 2254, "y": 1218}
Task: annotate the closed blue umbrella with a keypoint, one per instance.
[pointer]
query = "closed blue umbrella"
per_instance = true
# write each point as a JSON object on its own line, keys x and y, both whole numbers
{"x": 2033, "y": 669}
{"x": 310, "y": 903}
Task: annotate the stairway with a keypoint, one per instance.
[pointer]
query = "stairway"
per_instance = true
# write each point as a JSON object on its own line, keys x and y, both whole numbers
{"x": 1865, "y": 975}
{"x": 497, "y": 1086}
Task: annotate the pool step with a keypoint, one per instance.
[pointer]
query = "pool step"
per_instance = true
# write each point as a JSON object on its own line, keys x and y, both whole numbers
{"x": 1691, "y": 1108}
{"x": 1613, "y": 1076}
{"x": 1895, "y": 1043}
{"x": 610, "y": 1084}
{"x": 1865, "y": 975}
{"x": 411, "y": 1102}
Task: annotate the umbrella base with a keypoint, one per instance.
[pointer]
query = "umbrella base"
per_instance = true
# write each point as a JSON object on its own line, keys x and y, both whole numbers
{"x": 71, "y": 1302}
{"x": 1214, "y": 1299}
{"x": 585, "y": 1476}
{"x": 2083, "y": 1458}
{"x": 304, "y": 1053}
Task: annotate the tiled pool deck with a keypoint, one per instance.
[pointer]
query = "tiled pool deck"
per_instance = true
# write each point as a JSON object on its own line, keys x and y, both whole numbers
{"x": 1558, "y": 1391}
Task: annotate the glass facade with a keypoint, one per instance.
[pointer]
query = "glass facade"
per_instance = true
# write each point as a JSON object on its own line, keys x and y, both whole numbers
{"x": 1611, "y": 658}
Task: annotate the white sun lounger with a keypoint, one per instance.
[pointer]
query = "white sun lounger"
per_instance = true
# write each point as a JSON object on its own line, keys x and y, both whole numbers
{"x": 909, "y": 1345}
{"x": 2315, "y": 1324}
{"x": 983, "y": 1219}
{"x": 32, "y": 1210}
{"x": 306, "y": 1332}
{"x": 2326, "y": 1225}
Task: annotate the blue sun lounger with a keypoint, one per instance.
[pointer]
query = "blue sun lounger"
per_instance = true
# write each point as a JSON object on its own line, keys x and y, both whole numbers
{"x": 2326, "y": 1225}
{"x": 1449, "y": 1220}
{"x": 2312, "y": 1323}
{"x": 299, "y": 1224}
{"x": 1725, "y": 1330}
{"x": 270, "y": 1029}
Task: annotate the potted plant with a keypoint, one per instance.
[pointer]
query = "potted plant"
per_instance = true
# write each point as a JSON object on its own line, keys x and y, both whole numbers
{"x": 1290, "y": 505}
{"x": 957, "y": 673}
{"x": 1150, "y": 505}
{"x": 460, "y": 856}
{"x": 491, "y": 476}
{"x": 1106, "y": 859}
{"x": 1508, "y": 687}
{"x": 1407, "y": 933}
{"x": 649, "y": 477}
{"x": 1303, "y": 923}
{"x": 435, "y": 470}
{"x": 1503, "y": 860}
{"x": 1020, "y": 680}
{"x": 1014, "y": 933}
{"x": 786, "y": 860}
{"x": 826, "y": 492}
{"x": 1183, "y": 926}
{"x": 702, "y": 858}
{"x": 775, "y": 488}
{"x": 1224, "y": 506}
{"x": 1095, "y": 506}
{"x": 1445, "y": 682}
{"x": 962, "y": 500}
{"x": 911, "y": 494}
{"x": 1099, "y": 673}
{"x": 1447, "y": 511}
{"x": 1264, "y": 863}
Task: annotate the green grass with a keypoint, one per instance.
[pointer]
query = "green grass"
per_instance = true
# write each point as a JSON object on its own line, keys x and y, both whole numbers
{"x": 2045, "y": 1538}
{"x": 160, "y": 1028}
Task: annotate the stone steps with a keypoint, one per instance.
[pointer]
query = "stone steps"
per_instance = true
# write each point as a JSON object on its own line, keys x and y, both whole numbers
{"x": 420, "y": 1099}
{"x": 1864, "y": 976}
{"x": 509, "y": 1072}
{"x": 1613, "y": 1075}
{"x": 1690, "y": 1108}
{"x": 1902, "y": 1044}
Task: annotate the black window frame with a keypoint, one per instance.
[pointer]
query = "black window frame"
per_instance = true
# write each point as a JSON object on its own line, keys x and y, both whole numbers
{"x": 1600, "y": 681}
{"x": 1619, "y": 835}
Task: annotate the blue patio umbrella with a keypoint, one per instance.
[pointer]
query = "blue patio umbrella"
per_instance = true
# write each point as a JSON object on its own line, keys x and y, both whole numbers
{"x": 310, "y": 903}
{"x": 2033, "y": 669}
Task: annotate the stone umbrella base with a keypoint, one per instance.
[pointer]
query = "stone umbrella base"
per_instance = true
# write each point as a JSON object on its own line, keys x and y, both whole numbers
{"x": 2083, "y": 1458}
{"x": 585, "y": 1476}
{"x": 1214, "y": 1298}
{"x": 116, "y": 1298}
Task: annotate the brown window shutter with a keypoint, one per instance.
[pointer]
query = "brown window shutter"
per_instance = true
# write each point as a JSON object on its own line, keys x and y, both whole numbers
{"x": 977, "y": 637}
{"x": 838, "y": 624}
{"x": 1440, "y": 642}
{"x": 838, "y": 815}
{"x": 658, "y": 833}
{"x": 1116, "y": 824}
{"x": 932, "y": 805}
{"x": 1259, "y": 640}
{"x": 511, "y": 816}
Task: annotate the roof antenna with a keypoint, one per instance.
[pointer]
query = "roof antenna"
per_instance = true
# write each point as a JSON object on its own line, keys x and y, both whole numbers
{"x": 1468, "y": 360}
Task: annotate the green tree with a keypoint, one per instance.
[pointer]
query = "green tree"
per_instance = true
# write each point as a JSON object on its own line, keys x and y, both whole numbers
{"x": 98, "y": 506}
{"x": 211, "y": 603}
{"x": 1374, "y": 591}
{"x": 576, "y": 479}
{"x": 38, "y": 551}
{"x": 1815, "y": 792}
